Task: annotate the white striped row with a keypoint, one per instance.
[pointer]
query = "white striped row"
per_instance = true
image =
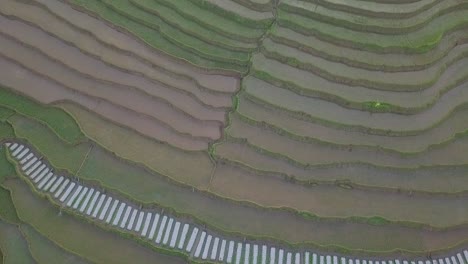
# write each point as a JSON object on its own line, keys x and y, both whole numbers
{"x": 167, "y": 231}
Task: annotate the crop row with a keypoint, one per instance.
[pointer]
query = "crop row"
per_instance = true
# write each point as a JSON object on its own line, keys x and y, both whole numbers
{"x": 386, "y": 123}
{"x": 165, "y": 230}
{"x": 352, "y": 76}
{"x": 23, "y": 243}
{"x": 117, "y": 176}
{"x": 146, "y": 20}
{"x": 379, "y": 25}
{"x": 108, "y": 35}
{"x": 141, "y": 123}
{"x": 42, "y": 216}
{"x": 421, "y": 41}
{"x": 389, "y": 62}
{"x": 128, "y": 85}
{"x": 90, "y": 42}
{"x": 387, "y": 9}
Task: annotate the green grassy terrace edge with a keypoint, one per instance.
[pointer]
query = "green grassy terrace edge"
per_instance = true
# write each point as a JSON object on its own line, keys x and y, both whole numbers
{"x": 165, "y": 13}
{"x": 372, "y": 28}
{"x": 329, "y": 123}
{"x": 8, "y": 212}
{"x": 252, "y": 35}
{"x": 62, "y": 124}
{"x": 297, "y": 63}
{"x": 291, "y": 135}
{"x": 181, "y": 39}
{"x": 261, "y": 24}
{"x": 307, "y": 215}
{"x": 68, "y": 121}
{"x": 191, "y": 53}
{"x": 22, "y": 252}
{"x": 341, "y": 183}
{"x": 283, "y": 132}
{"x": 268, "y": 6}
{"x": 292, "y": 161}
{"x": 28, "y": 231}
{"x": 131, "y": 71}
{"x": 335, "y": 248}
{"x": 170, "y": 57}
{"x": 46, "y": 155}
{"x": 435, "y": 58}
{"x": 15, "y": 220}
{"x": 76, "y": 4}
{"x": 202, "y": 192}
{"x": 170, "y": 104}
{"x": 359, "y": 11}
{"x": 129, "y": 196}
{"x": 86, "y": 220}
{"x": 72, "y": 213}
{"x": 424, "y": 45}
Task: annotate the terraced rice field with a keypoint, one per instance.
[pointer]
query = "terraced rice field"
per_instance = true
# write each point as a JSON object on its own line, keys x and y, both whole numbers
{"x": 234, "y": 131}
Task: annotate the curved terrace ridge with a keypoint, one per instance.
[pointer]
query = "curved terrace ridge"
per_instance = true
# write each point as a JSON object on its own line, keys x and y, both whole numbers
{"x": 179, "y": 235}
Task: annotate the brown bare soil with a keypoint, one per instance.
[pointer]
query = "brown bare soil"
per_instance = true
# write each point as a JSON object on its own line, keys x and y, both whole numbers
{"x": 456, "y": 123}
{"x": 241, "y": 10}
{"x": 132, "y": 99}
{"x": 157, "y": 156}
{"x": 384, "y": 7}
{"x": 319, "y": 153}
{"x": 352, "y": 144}
{"x": 234, "y": 217}
{"x": 162, "y": 81}
{"x": 329, "y": 111}
{"x": 341, "y": 73}
{"x": 445, "y": 179}
{"x": 333, "y": 201}
{"x": 47, "y": 91}
{"x": 129, "y": 44}
{"x": 405, "y": 22}
{"x": 392, "y": 62}
{"x": 311, "y": 83}
{"x": 86, "y": 238}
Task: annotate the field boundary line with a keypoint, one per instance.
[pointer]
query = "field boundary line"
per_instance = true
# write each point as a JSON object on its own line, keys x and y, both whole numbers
{"x": 212, "y": 176}
{"x": 84, "y": 159}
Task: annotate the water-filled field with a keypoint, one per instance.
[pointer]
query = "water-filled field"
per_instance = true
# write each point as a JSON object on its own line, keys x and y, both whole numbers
{"x": 234, "y": 131}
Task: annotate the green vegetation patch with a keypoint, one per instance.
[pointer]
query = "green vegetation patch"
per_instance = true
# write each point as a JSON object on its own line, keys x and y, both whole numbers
{"x": 215, "y": 20}
{"x": 157, "y": 156}
{"x": 5, "y": 113}
{"x": 262, "y": 24}
{"x": 41, "y": 249}
{"x": 46, "y": 251}
{"x": 177, "y": 37}
{"x": 140, "y": 185}
{"x": 6, "y": 168}
{"x": 6, "y": 131}
{"x": 173, "y": 18}
{"x": 12, "y": 243}
{"x": 419, "y": 41}
{"x": 60, "y": 155}
{"x": 378, "y": 221}
{"x": 151, "y": 36}
{"x": 58, "y": 120}
{"x": 14, "y": 246}
{"x": 377, "y": 106}
{"x": 7, "y": 209}
{"x": 76, "y": 235}
{"x": 259, "y": 5}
